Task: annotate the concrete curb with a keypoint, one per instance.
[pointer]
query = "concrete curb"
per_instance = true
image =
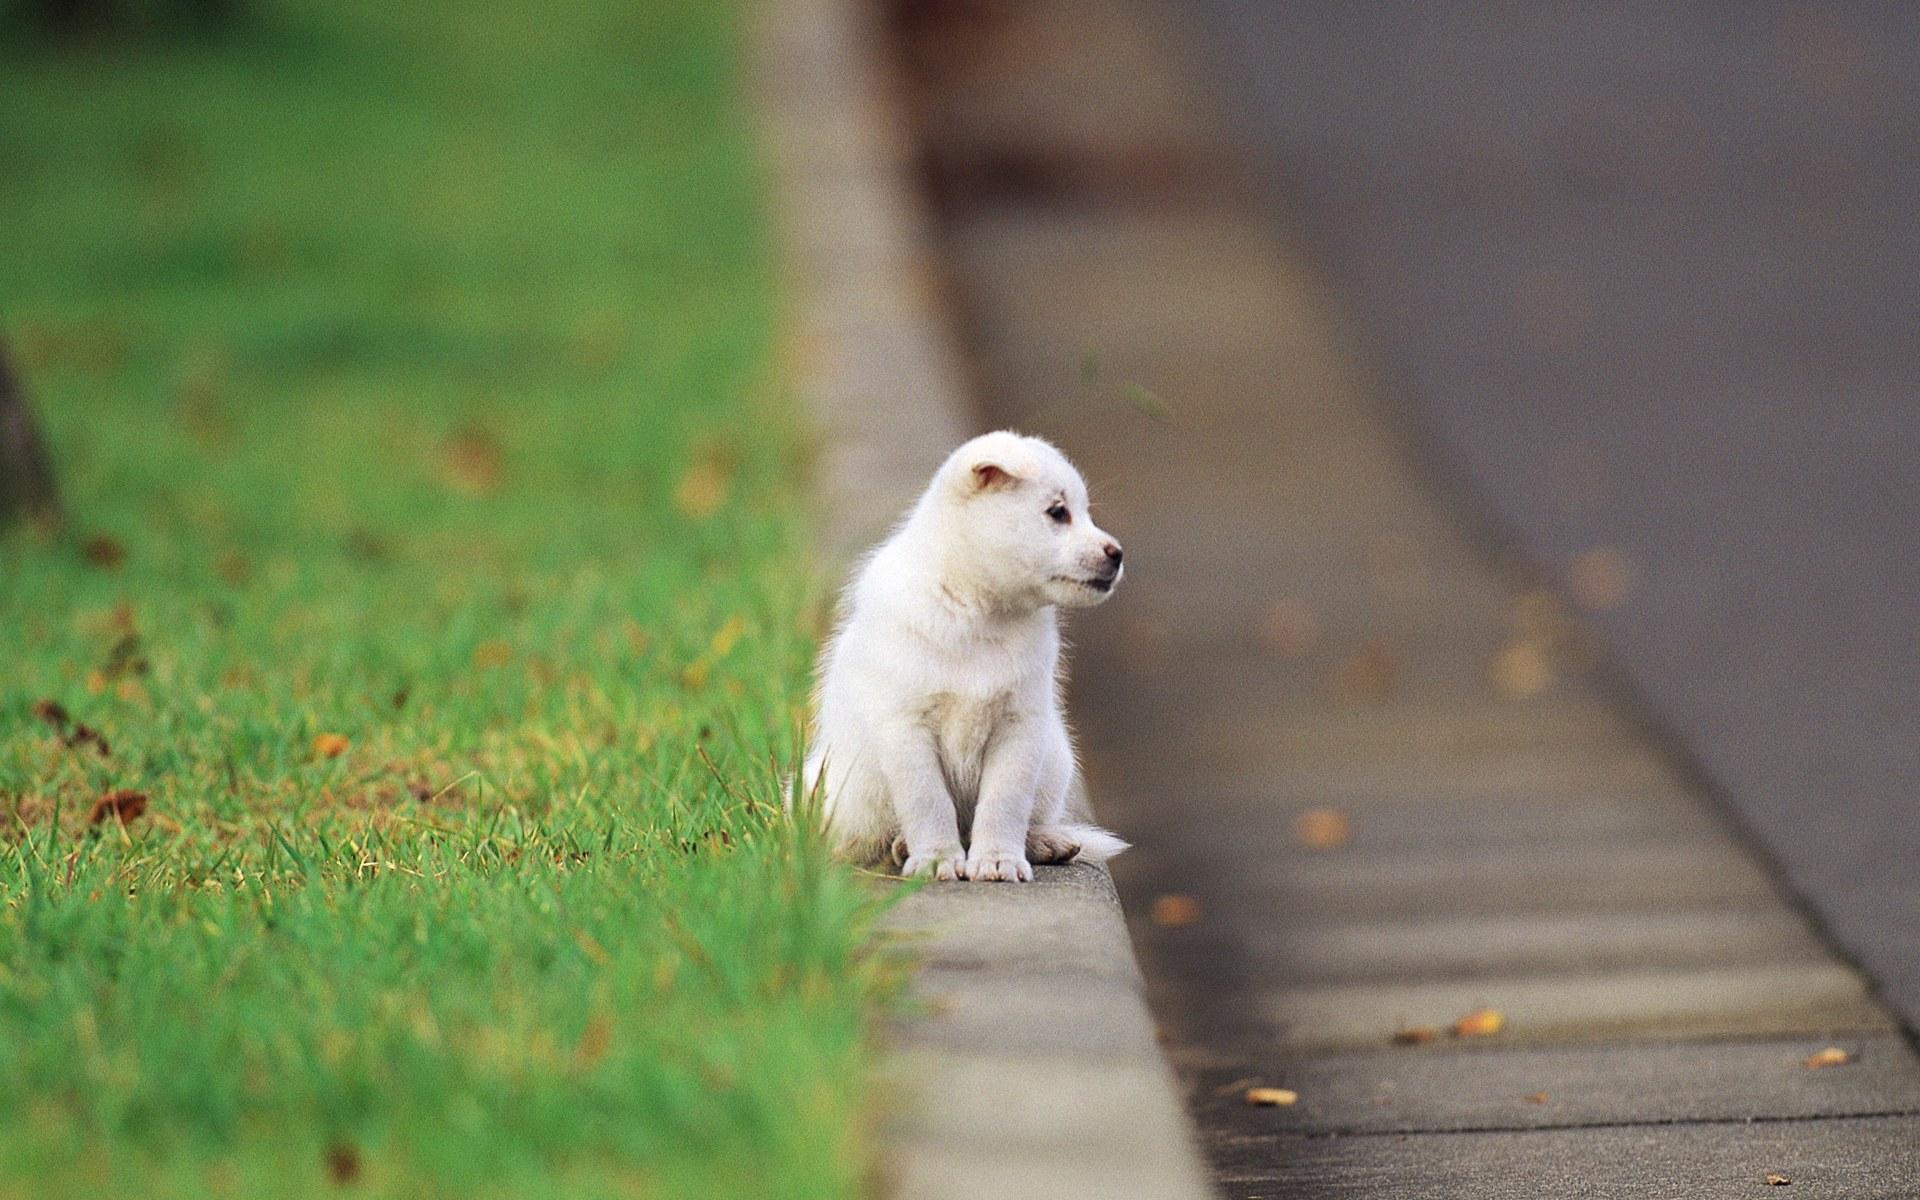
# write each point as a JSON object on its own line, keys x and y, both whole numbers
{"x": 1032, "y": 1068}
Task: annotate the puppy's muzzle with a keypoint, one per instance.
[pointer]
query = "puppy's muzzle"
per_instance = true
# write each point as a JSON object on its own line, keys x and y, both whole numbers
{"x": 1107, "y": 573}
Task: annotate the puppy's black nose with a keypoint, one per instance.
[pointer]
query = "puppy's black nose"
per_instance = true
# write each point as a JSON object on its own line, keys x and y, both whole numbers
{"x": 1113, "y": 553}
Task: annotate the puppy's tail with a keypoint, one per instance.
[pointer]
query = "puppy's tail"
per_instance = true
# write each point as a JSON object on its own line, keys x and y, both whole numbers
{"x": 1096, "y": 844}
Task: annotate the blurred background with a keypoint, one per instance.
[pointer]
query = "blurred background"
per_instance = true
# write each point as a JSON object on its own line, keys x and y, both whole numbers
{"x": 1638, "y": 283}
{"x": 1646, "y": 276}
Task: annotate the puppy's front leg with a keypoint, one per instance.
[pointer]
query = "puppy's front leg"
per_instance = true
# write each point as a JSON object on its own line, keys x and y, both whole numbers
{"x": 921, "y": 804}
{"x": 997, "y": 848}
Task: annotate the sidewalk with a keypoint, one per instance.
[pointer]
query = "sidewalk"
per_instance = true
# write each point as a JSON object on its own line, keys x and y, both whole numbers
{"x": 1309, "y": 628}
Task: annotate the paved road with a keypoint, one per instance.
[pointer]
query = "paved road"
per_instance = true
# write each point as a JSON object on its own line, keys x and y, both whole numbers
{"x": 1650, "y": 276}
{"x": 1372, "y": 790}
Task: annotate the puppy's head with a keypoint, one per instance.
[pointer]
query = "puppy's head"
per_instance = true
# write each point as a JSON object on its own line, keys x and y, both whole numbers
{"x": 1019, "y": 516}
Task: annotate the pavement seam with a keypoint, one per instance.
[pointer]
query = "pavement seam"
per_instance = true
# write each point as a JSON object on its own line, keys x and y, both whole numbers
{"x": 868, "y": 343}
{"x": 1320, "y": 1135}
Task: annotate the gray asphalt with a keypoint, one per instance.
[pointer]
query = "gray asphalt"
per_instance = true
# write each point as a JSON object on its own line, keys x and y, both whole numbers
{"x": 1647, "y": 277}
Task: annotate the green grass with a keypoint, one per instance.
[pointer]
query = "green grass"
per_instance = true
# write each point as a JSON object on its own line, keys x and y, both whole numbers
{"x": 413, "y": 360}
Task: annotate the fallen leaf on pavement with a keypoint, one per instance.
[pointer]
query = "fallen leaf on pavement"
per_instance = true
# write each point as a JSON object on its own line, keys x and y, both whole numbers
{"x": 1523, "y": 668}
{"x": 1535, "y": 1098}
{"x": 1832, "y": 1056}
{"x": 330, "y": 745}
{"x": 123, "y": 804}
{"x": 1272, "y": 1097}
{"x": 1175, "y": 910}
{"x": 1418, "y": 1035}
{"x": 1481, "y": 1022}
{"x": 1322, "y": 829}
{"x": 1776, "y": 1179}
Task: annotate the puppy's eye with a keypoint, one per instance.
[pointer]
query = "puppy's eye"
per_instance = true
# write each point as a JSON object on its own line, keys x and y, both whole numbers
{"x": 1060, "y": 514}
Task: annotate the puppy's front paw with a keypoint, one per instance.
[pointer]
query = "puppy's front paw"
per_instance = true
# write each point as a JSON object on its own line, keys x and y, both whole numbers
{"x": 946, "y": 864}
{"x": 1009, "y": 866}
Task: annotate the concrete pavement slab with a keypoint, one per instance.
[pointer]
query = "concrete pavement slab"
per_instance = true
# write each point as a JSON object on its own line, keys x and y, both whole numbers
{"x": 1819, "y": 998}
{"x": 1451, "y": 1086}
{"x": 1841, "y": 1159}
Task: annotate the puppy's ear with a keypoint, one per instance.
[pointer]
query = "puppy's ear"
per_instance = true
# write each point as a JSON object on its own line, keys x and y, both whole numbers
{"x": 990, "y": 476}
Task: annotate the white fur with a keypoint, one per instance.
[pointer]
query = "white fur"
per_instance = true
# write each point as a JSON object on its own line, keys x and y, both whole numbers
{"x": 937, "y": 707}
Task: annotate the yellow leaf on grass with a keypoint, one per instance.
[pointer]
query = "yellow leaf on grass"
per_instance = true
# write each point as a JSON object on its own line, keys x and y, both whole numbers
{"x": 330, "y": 745}
{"x": 701, "y": 490}
{"x": 729, "y": 635}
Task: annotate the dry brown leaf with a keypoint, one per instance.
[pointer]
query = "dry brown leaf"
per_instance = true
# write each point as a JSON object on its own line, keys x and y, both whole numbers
{"x": 122, "y": 804}
{"x": 1322, "y": 829}
{"x": 103, "y": 551}
{"x": 1535, "y": 1098}
{"x": 471, "y": 460}
{"x": 1289, "y": 628}
{"x": 1481, "y": 1022}
{"x": 72, "y": 734}
{"x": 84, "y": 734}
{"x": 330, "y": 745}
{"x": 1832, "y": 1056}
{"x": 1272, "y": 1097}
{"x": 1776, "y": 1179}
{"x": 343, "y": 1163}
{"x": 1174, "y": 910}
{"x": 1601, "y": 578}
{"x": 1418, "y": 1035}
{"x": 594, "y": 1042}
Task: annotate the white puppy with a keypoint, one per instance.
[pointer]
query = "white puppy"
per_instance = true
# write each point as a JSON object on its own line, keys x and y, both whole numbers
{"x": 937, "y": 706}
